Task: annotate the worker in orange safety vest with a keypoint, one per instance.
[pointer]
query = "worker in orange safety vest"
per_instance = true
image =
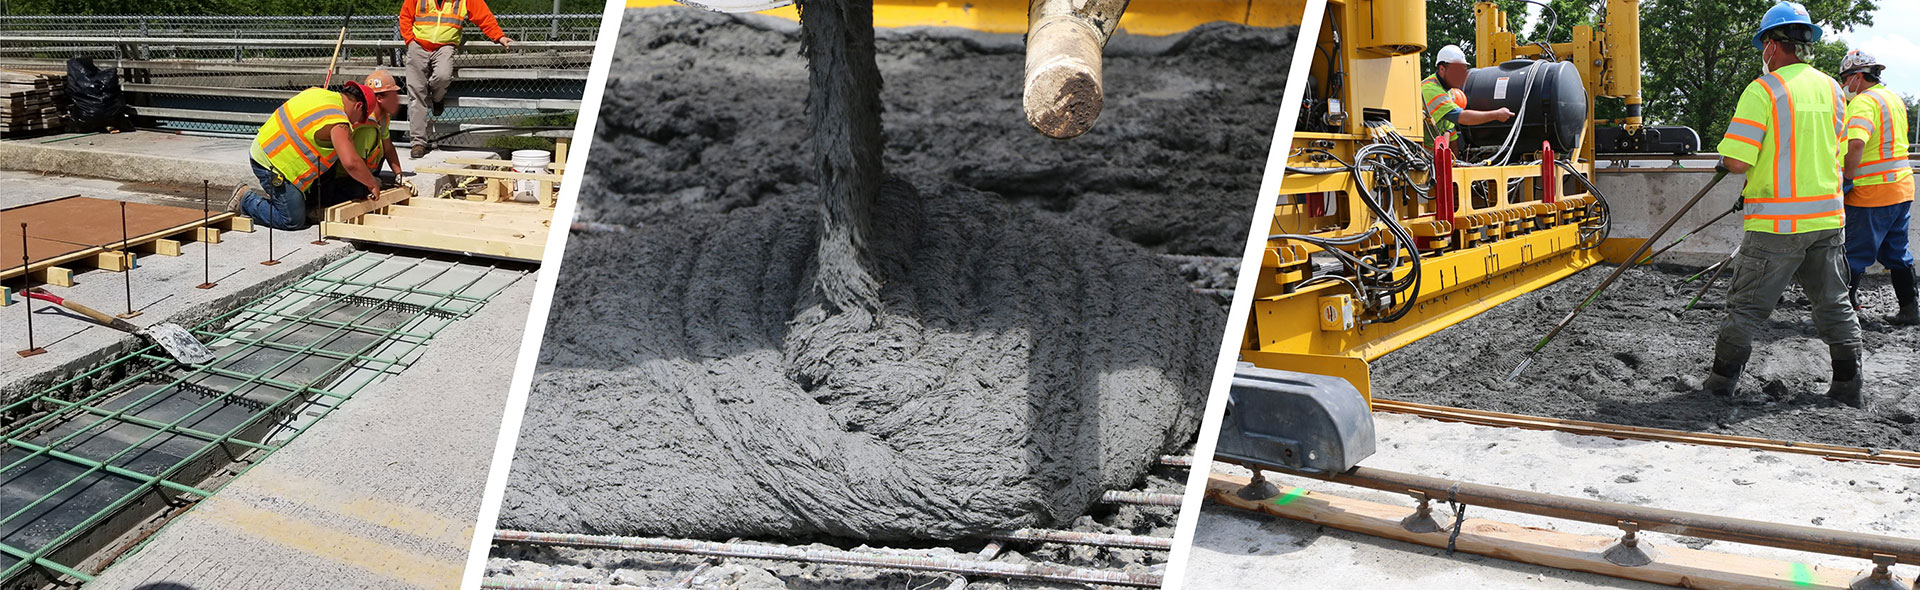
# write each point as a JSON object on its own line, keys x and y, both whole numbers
{"x": 432, "y": 30}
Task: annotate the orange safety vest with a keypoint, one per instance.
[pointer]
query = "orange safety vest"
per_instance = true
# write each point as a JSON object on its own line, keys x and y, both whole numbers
{"x": 290, "y": 142}
{"x": 439, "y": 21}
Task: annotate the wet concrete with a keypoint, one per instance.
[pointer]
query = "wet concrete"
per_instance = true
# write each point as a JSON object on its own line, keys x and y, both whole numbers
{"x": 1030, "y": 350}
{"x": 1635, "y": 358}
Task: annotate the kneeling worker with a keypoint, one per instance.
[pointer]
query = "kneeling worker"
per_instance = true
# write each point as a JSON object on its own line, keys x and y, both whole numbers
{"x": 295, "y": 149}
{"x": 372, "y": 139}
{"x": 1880, "y": 197}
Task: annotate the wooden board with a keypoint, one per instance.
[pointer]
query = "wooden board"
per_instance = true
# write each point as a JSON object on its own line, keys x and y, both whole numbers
{"x": 74, "y": 234}
{"x": 483, "y": 173}
{"x": 1673, "y": 565}
{"x": 501, "y": 230}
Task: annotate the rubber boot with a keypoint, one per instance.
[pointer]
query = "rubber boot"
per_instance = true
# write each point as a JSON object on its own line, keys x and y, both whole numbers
{"x": 1903, "y": 289}
{"x": 1853, "y": 289}
{"x": 1724, "y": 377}
{"x": 1846, "y": 378}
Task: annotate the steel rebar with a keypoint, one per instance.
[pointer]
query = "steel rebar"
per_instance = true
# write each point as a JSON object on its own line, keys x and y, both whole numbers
{"x": 1024, "y": 571}
{"x": 1140, "y": 498}
{"x": 26, "y": 264}
{"x": 1083, "y": 538}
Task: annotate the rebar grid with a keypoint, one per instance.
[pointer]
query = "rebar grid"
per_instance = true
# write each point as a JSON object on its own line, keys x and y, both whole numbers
{"x": 247, "y": 330}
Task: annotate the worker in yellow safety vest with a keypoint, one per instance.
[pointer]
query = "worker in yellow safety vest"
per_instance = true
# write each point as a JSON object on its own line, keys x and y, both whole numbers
{"x": 373, "y": 138}
{"x": 432, "y": 30}
{"x": 1444, "y": 103}
{"x": 295, "y": 150}
{"x": 1880, "y": 184}
{"x": 1786, "y": 138}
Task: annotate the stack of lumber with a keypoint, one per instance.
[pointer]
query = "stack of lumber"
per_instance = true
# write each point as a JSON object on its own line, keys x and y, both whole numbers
{"x": 32, "y": 102}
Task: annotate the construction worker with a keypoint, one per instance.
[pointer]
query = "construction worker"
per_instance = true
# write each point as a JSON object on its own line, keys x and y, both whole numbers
{"x": 294, "y": 150}
{"x": 432, "y": 29}
{"x": 1445, "y": 104}
{"x": 373, "y": 138}
{"x": 1785, "y": 138}
{"x": 1880, "y": 183}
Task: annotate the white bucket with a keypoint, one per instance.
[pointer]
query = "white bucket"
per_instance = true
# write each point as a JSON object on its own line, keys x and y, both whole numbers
{"x": 530, "y": 162}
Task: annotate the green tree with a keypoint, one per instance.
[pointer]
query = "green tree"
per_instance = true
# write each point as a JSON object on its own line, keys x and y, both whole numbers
{"x": 1451, "y": 22}
{"x": 1696, "y": 57}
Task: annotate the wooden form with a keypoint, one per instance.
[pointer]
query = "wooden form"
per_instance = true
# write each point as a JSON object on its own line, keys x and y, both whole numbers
{"x": 501, "y": 230}
{"x": 1673, "y": 565}
{"x": 57, "y": 257}
{"x": 548, "y": 183}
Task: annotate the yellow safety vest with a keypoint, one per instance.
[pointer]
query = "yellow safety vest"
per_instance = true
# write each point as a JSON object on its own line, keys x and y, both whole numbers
{"x": 1878, "y": 119}
{"x": 437, "y": 21}
{"x": 290, "y": 142}
{"x": 1438, "y": 102}
{"x": 369, "y": 141}
{"x": 1790, "y": 127}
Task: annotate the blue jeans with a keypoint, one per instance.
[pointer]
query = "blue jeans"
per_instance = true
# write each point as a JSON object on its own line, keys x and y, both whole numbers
{"x": 280, "y": 205}
{"x": 1879, "y": 234}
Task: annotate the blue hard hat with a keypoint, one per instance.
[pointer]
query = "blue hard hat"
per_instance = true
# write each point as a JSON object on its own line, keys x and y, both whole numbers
{"x": 1783, "y": 14}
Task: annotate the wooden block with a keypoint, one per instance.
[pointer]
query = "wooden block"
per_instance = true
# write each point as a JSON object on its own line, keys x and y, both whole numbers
{"x": 346, "y": 212}
{"x": 161, "y": 247}
{"x": 1673, "y": 565}
{"x": 560, "y": 145}
{"x": 498, "y": 191}
{"x": 6, "y": 296}
{"x": 206, "y": 235}
{"x": 239, "y": 223}
{"x": 114, "y": 261}
{"x": 545, "y": 194}
{"x": 57, "y": 276}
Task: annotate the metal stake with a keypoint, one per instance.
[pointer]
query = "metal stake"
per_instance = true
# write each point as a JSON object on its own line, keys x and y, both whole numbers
{"x": 319, "y": 239}
{"x": 270, "y": 261}
{"x": 127, "y": 259}
{"x": 1628, "y": 552}
{"x": 26, "y": 261}
{"x": 206, "y": 214}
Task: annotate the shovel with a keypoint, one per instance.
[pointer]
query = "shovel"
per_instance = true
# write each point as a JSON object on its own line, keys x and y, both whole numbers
{"x": 171, "y": 337}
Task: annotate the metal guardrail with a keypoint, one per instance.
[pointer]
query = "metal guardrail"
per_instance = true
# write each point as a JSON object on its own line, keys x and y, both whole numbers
{"x": 223, "y": 74}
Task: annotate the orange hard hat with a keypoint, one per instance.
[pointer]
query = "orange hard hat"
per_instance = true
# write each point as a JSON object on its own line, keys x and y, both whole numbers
{"x": 380, "y": 82}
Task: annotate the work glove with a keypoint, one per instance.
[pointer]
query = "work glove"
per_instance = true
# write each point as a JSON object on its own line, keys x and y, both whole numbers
{"x": 1846, "y": 187}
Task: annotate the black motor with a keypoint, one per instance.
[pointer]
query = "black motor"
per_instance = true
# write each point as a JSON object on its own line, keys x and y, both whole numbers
{"x": 1550, "y": 94}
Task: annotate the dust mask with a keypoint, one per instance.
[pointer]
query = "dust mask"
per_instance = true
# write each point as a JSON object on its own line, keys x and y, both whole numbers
{"x": 1764, "y": 68}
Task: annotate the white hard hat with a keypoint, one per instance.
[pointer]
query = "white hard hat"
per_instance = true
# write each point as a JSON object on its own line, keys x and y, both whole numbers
{"x": 1450, "y": 54}
{"x": 1856, "y": 61}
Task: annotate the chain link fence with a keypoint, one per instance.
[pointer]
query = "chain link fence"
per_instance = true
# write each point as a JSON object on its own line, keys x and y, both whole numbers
{"x": 225, "y": 74}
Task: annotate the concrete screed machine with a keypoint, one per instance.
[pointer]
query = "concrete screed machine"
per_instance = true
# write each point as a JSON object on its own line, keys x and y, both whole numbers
{"x": 1378, "y": 239}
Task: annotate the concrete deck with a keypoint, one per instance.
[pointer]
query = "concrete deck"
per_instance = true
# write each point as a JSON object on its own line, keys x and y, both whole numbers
{"x": 384, "y": 493}
{"x": 163, "y": 286}
{"x": 1234, "y": 549}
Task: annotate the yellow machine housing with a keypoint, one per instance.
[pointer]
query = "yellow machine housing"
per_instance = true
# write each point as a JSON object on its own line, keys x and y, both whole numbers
{"x": 1501, "y": 242}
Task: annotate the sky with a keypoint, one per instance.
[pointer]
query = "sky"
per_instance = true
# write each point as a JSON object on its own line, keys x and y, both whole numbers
{"x": 1887, "y": 42}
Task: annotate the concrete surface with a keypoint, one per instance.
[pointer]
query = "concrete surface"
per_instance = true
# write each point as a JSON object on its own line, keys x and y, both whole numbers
{"x": 384, "y": 493}
{"x": 158, "y": 158}
{"x": 163, "y": 286}
{"x": 1233, "y": 549}
{"x": 1644, "y": 198}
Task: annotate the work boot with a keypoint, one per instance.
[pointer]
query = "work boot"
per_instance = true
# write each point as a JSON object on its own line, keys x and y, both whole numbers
{"x": 439, "y": 106}
{"x": 1853, "y": 290}
{"x": 1903, "y": 289}
{"x": 239, "y": 196}
{"x": 419, "y": 150}
{"x": 1724, "y": 377}
{"x": 1846, "y": 377}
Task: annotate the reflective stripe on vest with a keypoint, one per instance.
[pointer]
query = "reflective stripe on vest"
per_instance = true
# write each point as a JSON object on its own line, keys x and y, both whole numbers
{"x": 1885, "y": 159}
{"x": 1434, "y": 106}
{"x": 287, "y": 141}
{"x": 1787, "y": 210}
{"x": 439, "y": 22}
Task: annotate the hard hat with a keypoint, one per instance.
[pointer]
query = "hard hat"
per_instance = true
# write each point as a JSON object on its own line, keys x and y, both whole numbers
{"x": 365, "y": 94}
{"x": 1856, "y": 61}
{"x": 1782, "y": 15}
{"x": 1450, "y": 54}
{"x": 380, "y": 82}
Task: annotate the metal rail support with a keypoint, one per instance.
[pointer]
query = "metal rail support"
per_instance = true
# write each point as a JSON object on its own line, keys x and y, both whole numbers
{"x": 1881, "y": 578}
{"x": 1627, "y": 551}
{"x": 1421, "y": 521}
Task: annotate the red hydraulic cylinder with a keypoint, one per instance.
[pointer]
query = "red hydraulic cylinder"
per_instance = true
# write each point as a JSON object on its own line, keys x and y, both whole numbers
{"x": 1548, "y": 178}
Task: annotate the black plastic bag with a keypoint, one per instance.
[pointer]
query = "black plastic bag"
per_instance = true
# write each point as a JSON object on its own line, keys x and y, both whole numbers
{"x": 95, "y": 93}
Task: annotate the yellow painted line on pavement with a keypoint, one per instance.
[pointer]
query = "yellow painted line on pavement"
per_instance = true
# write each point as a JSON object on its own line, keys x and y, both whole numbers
{"x": 331, "y": 544}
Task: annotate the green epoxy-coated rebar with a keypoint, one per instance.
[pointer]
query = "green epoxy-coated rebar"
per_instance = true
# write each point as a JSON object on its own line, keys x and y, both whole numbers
{"x": 260, "y": 312}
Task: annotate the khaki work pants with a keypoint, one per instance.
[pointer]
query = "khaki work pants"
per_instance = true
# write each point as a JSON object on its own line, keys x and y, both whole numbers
{"x": 428, "y": 75}
{"x": 1767, "y": 262}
